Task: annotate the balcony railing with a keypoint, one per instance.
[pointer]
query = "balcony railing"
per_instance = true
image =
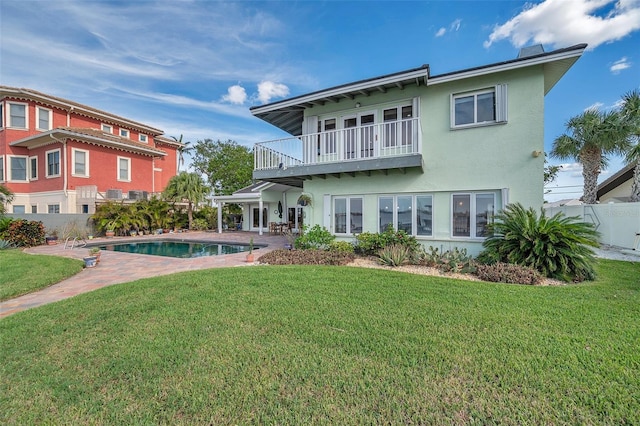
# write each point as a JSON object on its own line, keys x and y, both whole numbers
{"x": 382, "y": 140}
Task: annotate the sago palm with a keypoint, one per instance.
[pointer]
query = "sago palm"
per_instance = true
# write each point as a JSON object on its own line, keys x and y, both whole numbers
{"x": 187, "y": 187}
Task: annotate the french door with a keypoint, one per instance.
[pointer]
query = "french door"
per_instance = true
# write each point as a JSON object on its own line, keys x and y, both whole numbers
{"x": 359, "y": 135}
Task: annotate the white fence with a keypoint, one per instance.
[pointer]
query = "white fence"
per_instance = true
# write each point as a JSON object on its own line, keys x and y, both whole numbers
{"x": 617, "y": 223}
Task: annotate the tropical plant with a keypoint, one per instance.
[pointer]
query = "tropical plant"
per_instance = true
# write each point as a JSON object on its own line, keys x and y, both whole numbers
{"x": 25, "y": 233}
{"x": 558, "y": 246}
{"x": 183, "y": 149}
{"x": 112, "y": 216}
{"x": 368, "y": 243}
{"x": 630, "y": 112}
{"x": 156, "y": 212}
{"x": 6, "y": 196}
{"x": 317, "y": 237}
{"x": 590, "y": 138}
{"x": 394, "y": 255}
{"x": 187, "y": 187}
{"x": 455, "y": 260}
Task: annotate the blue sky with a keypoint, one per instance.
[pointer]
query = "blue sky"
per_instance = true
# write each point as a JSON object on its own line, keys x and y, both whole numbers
{"x": 195, "y": 67}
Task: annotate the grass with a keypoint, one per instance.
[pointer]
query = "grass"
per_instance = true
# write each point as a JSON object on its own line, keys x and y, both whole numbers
{"x": 328, "y": 345}
{"x": 22, "y": 273}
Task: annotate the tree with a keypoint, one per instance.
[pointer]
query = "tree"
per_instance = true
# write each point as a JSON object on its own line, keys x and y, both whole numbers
{"x": 227, "y": 165}
{"x": 6, "y": 196}
{"x": 591, "y": 137}
{"x": 182, "y": 150}
{"x": 630, "y": 112}
{"x": 550, "y": 173}
{"x": 187, "y": 187}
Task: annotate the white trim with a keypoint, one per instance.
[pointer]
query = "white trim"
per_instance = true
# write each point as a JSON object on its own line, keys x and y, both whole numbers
{"x": 107, "y": 128}
{"x": 10, "y": 170}
{"x": 473, "y": 214}
{"x": 39, "y": 111}
{"x": 46, "y": 169}
{"x": 124, "y": 133}
{"x": 26, "y": 116}
{"x": 128, "y": 159}
{"x": 143, "y": 138}
{"x": 73, "y": 162}
{"x": 500, "y": 113}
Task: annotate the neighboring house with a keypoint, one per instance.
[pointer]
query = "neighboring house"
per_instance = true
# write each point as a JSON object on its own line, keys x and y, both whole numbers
{"x": 617, "y": 188}
{"x": 59, "y": 156}
{"x": 434, "y": 155}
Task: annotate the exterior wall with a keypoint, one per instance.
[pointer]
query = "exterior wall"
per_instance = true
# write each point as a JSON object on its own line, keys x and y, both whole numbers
{"x": 165, "y": 167}
{"x": 620, "y": 192}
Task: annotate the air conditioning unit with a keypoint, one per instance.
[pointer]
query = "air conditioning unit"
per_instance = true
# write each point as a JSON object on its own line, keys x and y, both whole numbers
{"x": 114, "y": 194}
{"x": 137, "y": 195}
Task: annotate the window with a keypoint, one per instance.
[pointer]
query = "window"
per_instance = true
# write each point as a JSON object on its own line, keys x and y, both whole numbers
{"x": 34, "y": 208}
{"x": 107, "y": 128}
{"x": 471, "y": 214}
{"x": 18, "y": 116}
{"x": 18, "y": 209}
{"x": 53, "y": 208}
{"x": 53, "y": 163}
{"x": 124, "y": 169}
{"x": 1, "y": 169}
{"x": 18, "y": 168}
{"x": 481, "y": 107}
{"x": 398, "y": 126}
{"x": 33, "y": 168}
{"x": 43, "y": 119}
{"x": 1, "y": 115}
{"x": 327, "y": 136}
{"x": 143, "y": 138}
{"x": 80, "y": 164}
{"x": 347, "y": 215}
{"x": 124, "y": 133}
{"x": 409, "y": 213}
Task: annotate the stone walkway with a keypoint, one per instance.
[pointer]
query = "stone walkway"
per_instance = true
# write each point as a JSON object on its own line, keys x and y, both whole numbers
{"x": 116, "y": 267}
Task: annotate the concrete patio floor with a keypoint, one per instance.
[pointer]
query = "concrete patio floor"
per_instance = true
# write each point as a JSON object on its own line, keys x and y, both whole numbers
{"x": 116, "y": 267}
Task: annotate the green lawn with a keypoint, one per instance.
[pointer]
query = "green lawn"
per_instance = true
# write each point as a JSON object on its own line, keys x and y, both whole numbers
{"x": 328, "y": 345}
{"x": 22, "y": 273}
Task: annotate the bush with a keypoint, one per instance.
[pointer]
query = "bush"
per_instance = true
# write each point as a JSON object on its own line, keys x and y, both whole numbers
{"x": 4, "y": 224}
{"x": 370, "y": 244}
{"x": 315, "y": 238}
{"x": 456, "y": 260}
{"x": 394, "y": 255}
{"x": 25, "y": 233}
{"x": 306, "y": 257}
{"x": 557, "y": 247}
{"x": 341, "y": 247}
{"x": 508, "y": 273}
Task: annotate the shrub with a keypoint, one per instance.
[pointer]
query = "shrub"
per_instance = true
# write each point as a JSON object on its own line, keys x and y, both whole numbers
{"x": 4, "y": 224}
{"x": 371, "y": 244}
{"x": 306, "y": 257}
{"x": 25, "y": 233}
{"x": 456, "y": 260}
{"x": 199, "y": 224}
{"x": 394, "y": 255}
{"x": 508, "y": 273}
{"x": 315, "y": 238}
{"x": 557, "y": 247}
{"x": 341, "y": 247}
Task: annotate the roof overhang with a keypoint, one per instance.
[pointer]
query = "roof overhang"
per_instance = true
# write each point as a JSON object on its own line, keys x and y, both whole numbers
{"x": 61, "y": 135}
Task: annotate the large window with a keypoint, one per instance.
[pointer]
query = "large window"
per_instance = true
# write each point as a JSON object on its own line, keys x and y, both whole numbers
{"x": 347, "y": 215}
{"x": 398, "y": 126}
{"x": 471, "y": 214}
{"x": 43, "y": 119}
{"x": 18, "y": 116}
{"x": 18, "y": 168}
{"x": 53, "y": 208}
{"x": 33, "y": 168}
{"x": 410, "y": 213}
{"x": 80, "y": 164}
{"x": 124, "y": 169}
{"x": 19, "y": 209}
{"x": 481, "y": 107}
{"x": 53, "y": 163}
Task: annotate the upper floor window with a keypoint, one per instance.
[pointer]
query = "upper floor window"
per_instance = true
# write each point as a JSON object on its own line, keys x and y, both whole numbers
{"x": 143, "y": 138}
{"x": 1, "y": 115}
{"x": 347, "y": 213}
{"x": 18, "y": 168}
{"x": 80, "y": 164}
{"x": 397, "y": 127}
{"x": 107, "y": 128}
{"x": 471, "y": 213}
{"x": 480, "y": 107}
{"x": 124, "y": 133}
{"x": 43, "y": 118}
{"x": 53, "y": 163}
{"x": 124, "y": 169}
{"x": 33, "y": 168}
{"x": 1, "y": 169}
{"x": 410, "y": 213}
{"x": 17, "y": 116}
{"x": 327, "y": 136}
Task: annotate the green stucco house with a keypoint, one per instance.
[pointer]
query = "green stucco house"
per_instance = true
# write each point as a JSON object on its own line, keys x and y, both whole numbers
{"x": 434, "y": 155}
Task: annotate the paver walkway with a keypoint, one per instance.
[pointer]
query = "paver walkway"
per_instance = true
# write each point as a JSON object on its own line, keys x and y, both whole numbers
{"x": 116, "y": 267}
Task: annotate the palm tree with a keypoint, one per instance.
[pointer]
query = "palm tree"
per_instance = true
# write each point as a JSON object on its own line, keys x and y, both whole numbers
{"x": 630, "y": 112}
{"x": 186, "y": 187}
{"x": 6, "y": 196}
{"x": 591, "y": 137}
{"x": 182, "y": 150}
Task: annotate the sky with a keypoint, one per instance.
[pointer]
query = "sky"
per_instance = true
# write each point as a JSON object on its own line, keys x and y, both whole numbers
{"x": 195, "y": 67}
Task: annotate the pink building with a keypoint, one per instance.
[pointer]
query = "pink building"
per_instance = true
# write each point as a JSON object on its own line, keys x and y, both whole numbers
{"x": 59, "y": 156}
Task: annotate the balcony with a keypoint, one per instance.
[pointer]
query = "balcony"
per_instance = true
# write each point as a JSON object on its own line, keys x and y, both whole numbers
{"x": 379, "y": 147}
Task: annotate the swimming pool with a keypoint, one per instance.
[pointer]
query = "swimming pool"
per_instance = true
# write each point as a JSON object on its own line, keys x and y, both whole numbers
{"x": 180, "y": 249}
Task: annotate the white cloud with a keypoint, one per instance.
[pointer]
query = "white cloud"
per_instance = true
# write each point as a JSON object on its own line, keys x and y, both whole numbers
{"x": 441, "y": 32}
{"x": 455, "y": 25}
{"x": 562, "y": 23}
{"x": 236, "y": 95}
{"x": 620, "y": 65}
{"x": 596, "y": 106}
{"x": 268, "y": 90}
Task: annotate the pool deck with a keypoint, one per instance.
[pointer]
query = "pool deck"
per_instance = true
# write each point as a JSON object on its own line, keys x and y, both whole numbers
{"x": 116, "y": 267}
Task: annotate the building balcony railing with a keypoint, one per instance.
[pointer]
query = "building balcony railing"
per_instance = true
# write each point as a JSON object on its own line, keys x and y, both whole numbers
{"x": 382, "y": 140}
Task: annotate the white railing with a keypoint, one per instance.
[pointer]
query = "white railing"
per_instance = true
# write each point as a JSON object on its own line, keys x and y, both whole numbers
{"x": 356, "y": 143}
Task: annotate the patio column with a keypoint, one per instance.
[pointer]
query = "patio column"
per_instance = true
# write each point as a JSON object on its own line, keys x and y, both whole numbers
{"x": 220, "y": 204}
{"x": 260, "y": 217}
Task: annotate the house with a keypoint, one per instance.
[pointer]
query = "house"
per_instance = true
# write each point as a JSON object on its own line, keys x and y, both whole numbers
{"x": 617, "y": 188}
{"x": 433, "y": 155}
{"x": 59, "y": 156}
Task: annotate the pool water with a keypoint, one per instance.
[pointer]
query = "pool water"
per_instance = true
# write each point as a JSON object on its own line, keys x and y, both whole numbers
{"x": 181, "y": 249}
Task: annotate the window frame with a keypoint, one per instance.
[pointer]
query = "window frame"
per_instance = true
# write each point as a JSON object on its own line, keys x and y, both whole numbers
{"x": 73, "y": 162}
{"x": 349, "y": 228}
{"x": 19, "y": 207}
{"x": 473, "y": 214}
{"x": 55, "y": 207}
{"x": 500, "y": 106}
{"x": 33, "y": 171}
{"x": 107, "y": 128}
{"x": 124, "y": 133}
{"x": 413, "y": 208}
{"x": 10, "y": 124}
{"x": 49, "y": 113}
{"x": 143, "y": 138}
{"x": 128, "y": 160}
{"x": 46, "y": 156}
{"x": 10, "y": 177}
